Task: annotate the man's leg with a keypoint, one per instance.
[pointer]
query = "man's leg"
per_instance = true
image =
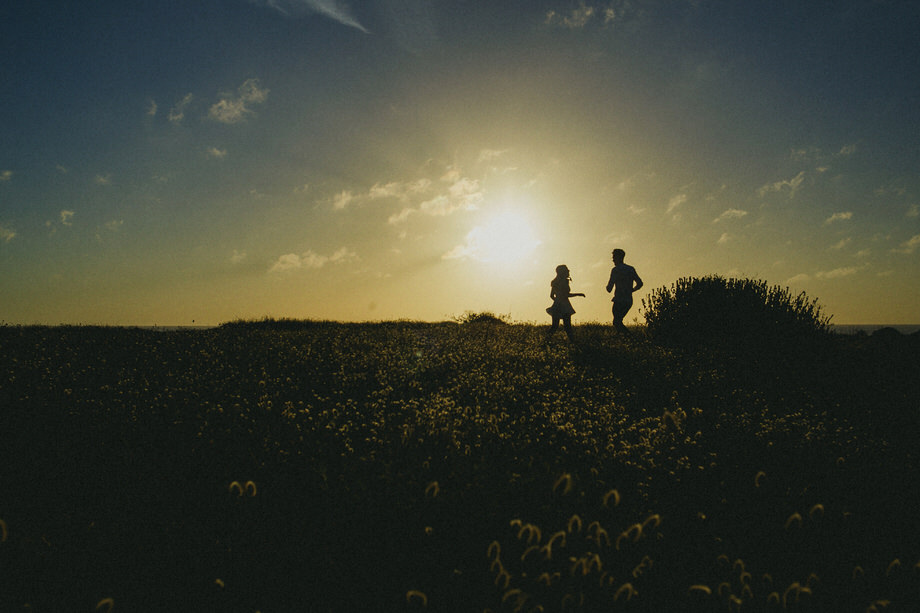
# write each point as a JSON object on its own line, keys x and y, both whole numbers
{"x": 620, "y": 309}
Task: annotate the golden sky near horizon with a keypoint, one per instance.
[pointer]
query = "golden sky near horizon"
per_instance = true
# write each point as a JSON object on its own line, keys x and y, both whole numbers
{"x": 350, "y": 161}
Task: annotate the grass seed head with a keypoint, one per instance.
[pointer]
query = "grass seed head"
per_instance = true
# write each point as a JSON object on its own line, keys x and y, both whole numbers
{"x": 417, "y": 596}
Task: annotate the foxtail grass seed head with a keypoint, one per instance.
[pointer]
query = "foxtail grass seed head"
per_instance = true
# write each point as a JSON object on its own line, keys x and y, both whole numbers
{"x": 626, "y": 591}
{"x": 528, "y": 551}
{"x": 495, "y": 549}
{"x": 219, "y": 583}
{"x": 251, "y": 488}
{"x": 532, "y": 531}
{"x": 574, "y": 524}
{"x": 817, "y": 510}
{"x": 417, "y": 596}
{"x": 236, "y": 487}
{"x": 612, "y": 494}
{"x": 700, "y": 589}
{"x": 759, "y": 477}
{"x": 564, "y": 482}
{"x": 432, "y": 490}
{"x": 106, "y": 604}
{"x": 795, "y": 518}
{"x": 892, "y": 567}
{"x": 652, "y": 519}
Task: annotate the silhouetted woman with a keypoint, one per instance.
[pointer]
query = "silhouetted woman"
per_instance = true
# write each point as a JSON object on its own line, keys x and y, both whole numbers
{"x": 560, "y": 293}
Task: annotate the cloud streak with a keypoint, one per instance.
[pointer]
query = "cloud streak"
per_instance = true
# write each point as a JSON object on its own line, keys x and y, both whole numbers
{"x": 333, "y": 9}
{"x": 7, "y": 234}
{"x": 310, "y": 260}
{"x": 234, "y": 108}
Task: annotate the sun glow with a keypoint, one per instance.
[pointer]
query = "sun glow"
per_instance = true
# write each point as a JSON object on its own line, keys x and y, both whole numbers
{"x": 508, "y": 238}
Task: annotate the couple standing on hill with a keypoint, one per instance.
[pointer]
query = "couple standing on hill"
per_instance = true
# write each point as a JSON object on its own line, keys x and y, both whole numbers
{"x": 623, "y": 280}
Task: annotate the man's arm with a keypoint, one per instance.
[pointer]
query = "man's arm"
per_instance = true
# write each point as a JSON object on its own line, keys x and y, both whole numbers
{"x": 639, "y": 283}
{"x": 610, "y": 282}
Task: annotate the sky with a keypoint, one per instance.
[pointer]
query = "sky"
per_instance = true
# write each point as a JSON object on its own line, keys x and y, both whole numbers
{"x": 176, "y": 162}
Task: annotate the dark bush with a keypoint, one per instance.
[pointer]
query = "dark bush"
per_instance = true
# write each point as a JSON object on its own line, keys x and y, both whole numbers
{"x": 484, "y": 317}
{"x": 713, "y": 310}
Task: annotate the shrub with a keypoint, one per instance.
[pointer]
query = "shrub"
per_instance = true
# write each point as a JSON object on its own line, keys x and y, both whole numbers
{"x": 715, "y": 310}
{"x": 484, "y": 317}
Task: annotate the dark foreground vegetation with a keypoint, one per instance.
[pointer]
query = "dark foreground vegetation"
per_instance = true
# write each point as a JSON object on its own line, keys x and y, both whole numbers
{"x": 454, "y": 467}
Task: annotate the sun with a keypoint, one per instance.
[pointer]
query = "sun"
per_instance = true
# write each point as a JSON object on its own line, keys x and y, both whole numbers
{"x": 507, "y": 238}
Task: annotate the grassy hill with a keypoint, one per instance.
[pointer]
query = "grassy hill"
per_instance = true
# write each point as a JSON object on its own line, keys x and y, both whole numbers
{"x": 454, "y": 467}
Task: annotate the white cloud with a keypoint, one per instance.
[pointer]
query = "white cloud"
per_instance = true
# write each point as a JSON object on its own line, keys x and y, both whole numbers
{"x": 67, "y": 217}
{"x": 837, "y": 273}
{"x": 799, "y": 278}
{"x": 177, "y": 112}
{"x": 216, "y": 152}
{"x": 7, "y": 234}
{"x": 342, "y": 200}
{"x": 312, "y": 260}
{"x": 576, "y": 18}
{"x": 103, "y": 180}
{"x": 842, "y": 216}
{"x": 233, "y": 108}
{"x": 725, "y": 238}
{"x": 909, "y": 246}
{"x": 913, "y": 211}
{"x": 337, "y": 10}
{"x": 152, "y": 109}
{"x": 792, "y": 185}
{"x": 841, "y": 244}
{"x": 730, "y": 214}
{"x": 5, "y": 175}
{"x": 676, "y": 201}
{"x": 237, "y": 256}
{"x": 114, "y": 225}
{"x": 401, "y": 216}
{"x": 847, "y": 150}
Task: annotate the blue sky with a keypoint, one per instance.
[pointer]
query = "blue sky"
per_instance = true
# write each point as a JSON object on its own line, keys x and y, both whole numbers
{"x": 164, "y": 162}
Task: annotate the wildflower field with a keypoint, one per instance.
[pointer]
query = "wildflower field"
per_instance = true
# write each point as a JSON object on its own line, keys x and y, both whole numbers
{"x": 454, "y": 467}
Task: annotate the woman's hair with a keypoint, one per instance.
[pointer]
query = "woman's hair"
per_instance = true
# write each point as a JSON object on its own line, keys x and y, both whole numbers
{"x": 562, "y": 270}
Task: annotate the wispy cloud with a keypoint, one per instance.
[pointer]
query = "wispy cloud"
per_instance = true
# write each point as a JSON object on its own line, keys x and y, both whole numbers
{"x": 233, "y": 108}
{"x": 841, "y": 244}
{"x": 341, "y": 200}
{"x": 114, "y": 225}
{"x": 5, "y": 175}
{"x": 838, "y": 273}
{"x": 791, "y": 185}
{"x": 7, "y": 234}
{"x": 333, "y": 9}
{"x": 576, "y": 18}
{"x": 842, "y": 216}
{"x": 676, "y": 201}
{"x": 103, "y": 179}
{"x": 238, "y": 257}
{"x": 909, "y": 246}
{"x": 586, "y": 14}
{"x": 311, "y": 260}
{"x": 730, "y": 214}
{"x": 152, "y": 108}
{"x": 725, "y": 238}
{"x": 913, "y": 211}
{"x": 216, "y": 152}
{"x": 67, "y": 217}
{"x": 177, "y": 112}
{"x": 847, "y": 150}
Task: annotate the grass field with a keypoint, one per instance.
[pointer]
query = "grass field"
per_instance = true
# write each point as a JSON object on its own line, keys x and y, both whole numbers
{"x": 448, "y": 467}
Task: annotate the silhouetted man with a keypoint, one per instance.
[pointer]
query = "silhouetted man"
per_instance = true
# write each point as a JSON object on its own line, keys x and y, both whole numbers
{"x": 624, "y": 279}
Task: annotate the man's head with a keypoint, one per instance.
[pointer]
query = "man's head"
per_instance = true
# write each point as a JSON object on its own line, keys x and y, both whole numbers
{"x": 618, "y": 255}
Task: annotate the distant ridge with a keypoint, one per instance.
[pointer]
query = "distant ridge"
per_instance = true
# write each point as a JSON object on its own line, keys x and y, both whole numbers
{"x": 870, "y": 328}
